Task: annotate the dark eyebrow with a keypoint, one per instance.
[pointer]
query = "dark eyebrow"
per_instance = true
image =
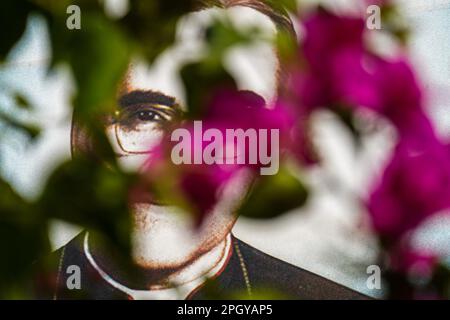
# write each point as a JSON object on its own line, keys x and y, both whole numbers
{"x": 146, "y": 97}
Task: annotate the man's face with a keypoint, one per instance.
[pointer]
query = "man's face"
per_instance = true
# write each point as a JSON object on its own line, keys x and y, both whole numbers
{"x": 164, "y": 236}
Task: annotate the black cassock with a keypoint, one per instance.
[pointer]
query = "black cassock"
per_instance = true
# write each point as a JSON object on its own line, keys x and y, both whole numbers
{"x": 260, "y": 270}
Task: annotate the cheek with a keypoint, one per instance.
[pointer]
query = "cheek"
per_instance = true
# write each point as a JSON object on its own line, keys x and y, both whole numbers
{"x": 141, "y": 139}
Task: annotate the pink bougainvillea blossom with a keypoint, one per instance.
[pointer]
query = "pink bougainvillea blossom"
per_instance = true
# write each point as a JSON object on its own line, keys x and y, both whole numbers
{"x": 415, "y": 185}
{"x": 333, "y": 48}
{"x": 341, "y": 71}
{"x": 200, "y": 184}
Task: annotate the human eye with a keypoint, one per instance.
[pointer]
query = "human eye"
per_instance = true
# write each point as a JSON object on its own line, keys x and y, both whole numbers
{"x": 143, "y": 115}
{"x": 148, "y": 115}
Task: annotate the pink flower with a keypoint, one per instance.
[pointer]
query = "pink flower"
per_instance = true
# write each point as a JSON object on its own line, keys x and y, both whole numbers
{"x": 246, "y": 110}
{"x": 298, "y": 141}
{"x": 338, "y": 67}
{"x": 194, "y": 187}
{"x": 415, "y": 185}
{"x": 199, "y": 185}
{"x": 332, "y": 75}
{"x": 391, "y": 89}
{"x": 328, "y": 34}
{"x": 340, "y": 71}
{"x": 333, "y": 49}
{"x": 393, "y": 92}
{"x": 354, "y": 85}
{"x": 399, "y": 96}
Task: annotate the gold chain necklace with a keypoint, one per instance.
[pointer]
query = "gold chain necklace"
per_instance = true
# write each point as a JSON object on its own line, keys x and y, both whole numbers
{"x": 243, "y": 268}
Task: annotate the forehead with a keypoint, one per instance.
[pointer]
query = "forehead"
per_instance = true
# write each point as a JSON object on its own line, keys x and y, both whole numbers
{"x": 254, "y": 66}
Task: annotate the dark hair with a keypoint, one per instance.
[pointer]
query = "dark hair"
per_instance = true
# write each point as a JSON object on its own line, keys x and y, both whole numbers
{"x": 80, "y": 141}
{"x": 279, "y": 16}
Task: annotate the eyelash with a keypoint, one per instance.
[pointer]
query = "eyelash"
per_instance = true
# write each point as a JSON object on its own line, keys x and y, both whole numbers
{"x": 131, "y": 117}
{"x": 156, "y": 116}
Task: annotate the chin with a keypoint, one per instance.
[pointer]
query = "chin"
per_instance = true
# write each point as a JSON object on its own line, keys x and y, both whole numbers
{"x": 164, "y": 237}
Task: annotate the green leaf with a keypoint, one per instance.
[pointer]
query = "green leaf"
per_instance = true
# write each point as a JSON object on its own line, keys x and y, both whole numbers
{"x": 13, "y": 20}
{"x": 23, "y": 240}
{"x": 203, "y": 78}
{"x": 201, "y": 81}
{"x": 92, "y": 195}
{"x": 274, "y": 195}
{"x": 221, "y": 36}
{"x": 152, "y": 24}
{"x": 99, "y": 54}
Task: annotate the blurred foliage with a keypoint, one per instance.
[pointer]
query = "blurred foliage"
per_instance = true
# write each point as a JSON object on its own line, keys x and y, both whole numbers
{"x": 435, "y": 287}
{"x": 101, "y": 204}
{"x": 393, "y": 22}
{"x": 274, "y": 195}
{"x": 13, "y": 20}
{"x": 200, "y": 80}
{"x": 23, "y": 238}
{"x": 98, "y": 43}
{"x": 203, "y": 78}
{"x": 95, "y": 194}
{"x": 153, "y": 23}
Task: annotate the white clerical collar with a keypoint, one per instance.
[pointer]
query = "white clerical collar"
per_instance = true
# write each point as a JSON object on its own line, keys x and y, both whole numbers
{"x": 174, "y": 293}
